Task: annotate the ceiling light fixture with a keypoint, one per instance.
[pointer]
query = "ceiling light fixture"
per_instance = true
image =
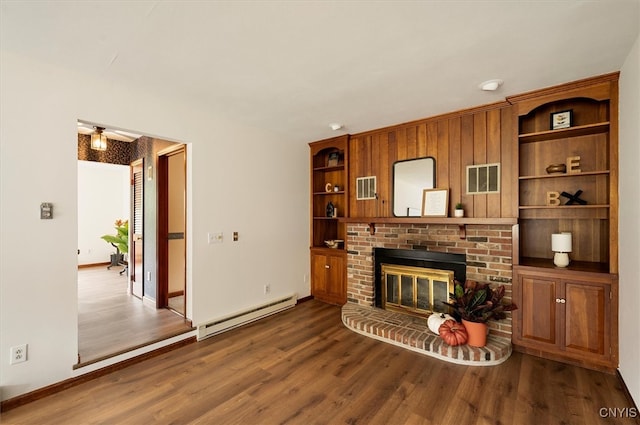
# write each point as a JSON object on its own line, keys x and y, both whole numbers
{"x": 490, "y": 85}
{"x": 98, "y": 140}
{"x": 335, "y": 126}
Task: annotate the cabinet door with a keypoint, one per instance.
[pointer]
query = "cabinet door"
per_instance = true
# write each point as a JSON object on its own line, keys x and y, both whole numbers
{"x": 335, "y": 279}
{"x": 537, "y": 309}
{"x": 318, "y": 275}
{"x": 328, "y": 281}
{"x": 586, "y": 318}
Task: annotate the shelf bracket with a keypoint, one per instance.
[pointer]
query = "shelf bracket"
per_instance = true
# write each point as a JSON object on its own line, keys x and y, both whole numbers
{"x": 372, "y": 229}
{"x": 462, "y": 231}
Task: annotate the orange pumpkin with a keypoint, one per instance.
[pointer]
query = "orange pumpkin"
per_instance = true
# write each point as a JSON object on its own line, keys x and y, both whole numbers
{"x": 453, "y": 332}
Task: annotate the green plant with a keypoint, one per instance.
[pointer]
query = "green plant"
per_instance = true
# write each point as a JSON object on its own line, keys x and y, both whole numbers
{"x": 459, "y": 206}
{"x": 121, "y": 239}
{"x": 477, "y": 302}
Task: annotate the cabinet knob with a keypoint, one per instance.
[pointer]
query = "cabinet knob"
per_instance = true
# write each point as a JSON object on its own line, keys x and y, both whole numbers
{"x": 326, "y": 266}
{"x": 561, "y": 300}
{"x": 557, "y": 300}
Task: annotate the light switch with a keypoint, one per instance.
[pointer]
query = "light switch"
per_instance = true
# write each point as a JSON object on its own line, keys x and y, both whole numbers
{"x": 46, "y": 211}
{"x": 235, "y": 236}
{"x": 216, "y": 237}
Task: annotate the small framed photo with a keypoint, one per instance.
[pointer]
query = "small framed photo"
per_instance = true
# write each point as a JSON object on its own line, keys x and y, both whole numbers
{"x": 333, "y": 159}
{"x": 435, "y": 202}
{"x": 561, "y": 119}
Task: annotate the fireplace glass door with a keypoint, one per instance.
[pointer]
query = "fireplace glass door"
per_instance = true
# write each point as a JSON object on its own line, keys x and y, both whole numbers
{"x": 415, "y": 290}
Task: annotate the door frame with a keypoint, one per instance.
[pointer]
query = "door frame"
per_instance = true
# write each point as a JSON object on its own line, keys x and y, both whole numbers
{"x": 137, "y": 164}
{"x": 162, "y": 289}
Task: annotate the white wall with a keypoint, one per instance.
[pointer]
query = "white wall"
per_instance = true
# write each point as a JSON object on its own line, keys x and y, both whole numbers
{"x": 103, "y": 198}
{"x": 630, "y": 222}
{"x": 241, "y": 180}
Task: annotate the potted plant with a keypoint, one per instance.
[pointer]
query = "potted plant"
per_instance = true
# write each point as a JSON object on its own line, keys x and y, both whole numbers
{"x": 459, "y": 211}
{"x": 120, "y": 241}
{"x": 476, "y": 303}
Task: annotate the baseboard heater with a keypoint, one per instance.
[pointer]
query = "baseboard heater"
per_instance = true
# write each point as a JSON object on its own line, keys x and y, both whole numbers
{"x": 238, "y": 319}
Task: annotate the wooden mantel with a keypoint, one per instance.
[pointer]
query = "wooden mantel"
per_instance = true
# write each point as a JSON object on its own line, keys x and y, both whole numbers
{"x": 461, "y": 222}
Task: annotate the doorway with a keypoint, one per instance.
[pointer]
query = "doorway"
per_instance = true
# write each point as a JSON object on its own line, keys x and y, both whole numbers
{"x": 172, "y": 229}
{"x": 119, "y": 313}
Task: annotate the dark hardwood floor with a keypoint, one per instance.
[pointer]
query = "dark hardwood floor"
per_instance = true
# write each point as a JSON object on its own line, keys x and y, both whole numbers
{"x": 303, "y": 366}
{"x": 111, "y": 321}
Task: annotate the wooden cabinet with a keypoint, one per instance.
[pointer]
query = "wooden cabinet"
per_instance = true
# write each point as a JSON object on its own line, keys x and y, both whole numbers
{"x": 566, "y": 315}
{"x": 329, "y": 185}
{"x": 328, "y": 275}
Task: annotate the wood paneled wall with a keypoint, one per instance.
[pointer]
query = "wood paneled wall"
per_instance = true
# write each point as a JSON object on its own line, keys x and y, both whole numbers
{"x": 481, "y": 135}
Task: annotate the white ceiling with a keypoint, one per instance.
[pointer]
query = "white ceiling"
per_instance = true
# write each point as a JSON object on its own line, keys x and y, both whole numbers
{"x": 294, "y": 67}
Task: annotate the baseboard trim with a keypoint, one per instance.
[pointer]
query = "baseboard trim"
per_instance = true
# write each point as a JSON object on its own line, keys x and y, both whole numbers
{"x": 85, "y": 266}
{"x": 304, "y": 299}
{"x": 593, "y": 365}
{"x": 175, "y": 294}
{"x": 23, "y": 399}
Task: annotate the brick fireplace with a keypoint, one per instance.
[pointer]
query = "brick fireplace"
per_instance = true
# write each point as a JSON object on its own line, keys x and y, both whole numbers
{"x": 488, "y": 250}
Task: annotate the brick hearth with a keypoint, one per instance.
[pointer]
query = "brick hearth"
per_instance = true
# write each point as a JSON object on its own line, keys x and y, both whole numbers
{"x": 412, "y": 333}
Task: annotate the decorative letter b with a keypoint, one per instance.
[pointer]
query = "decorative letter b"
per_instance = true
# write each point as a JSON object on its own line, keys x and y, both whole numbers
{"x": 553, "y": 199}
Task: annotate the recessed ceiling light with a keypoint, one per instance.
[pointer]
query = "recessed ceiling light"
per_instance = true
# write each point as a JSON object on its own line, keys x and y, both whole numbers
{"x": 490, "y": 85}
{"x": 335, "y": 126}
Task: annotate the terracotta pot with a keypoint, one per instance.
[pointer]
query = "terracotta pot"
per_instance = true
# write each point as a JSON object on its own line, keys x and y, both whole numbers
{"x": 477, "y": 333}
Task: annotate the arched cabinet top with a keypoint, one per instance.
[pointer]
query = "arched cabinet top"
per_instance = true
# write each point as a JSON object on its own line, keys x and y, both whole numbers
{"x": 597, "y": 89}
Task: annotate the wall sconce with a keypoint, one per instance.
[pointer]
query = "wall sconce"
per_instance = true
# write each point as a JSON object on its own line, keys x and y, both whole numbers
{"x": 98, "y": 140}
{"x": 561, "y": 245}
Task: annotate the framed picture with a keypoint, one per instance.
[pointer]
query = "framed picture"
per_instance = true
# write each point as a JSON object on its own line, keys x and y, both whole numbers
{"x": 561, "y": 119}
{"x": 333, "y": 159}
{"x": 435, "y": 202}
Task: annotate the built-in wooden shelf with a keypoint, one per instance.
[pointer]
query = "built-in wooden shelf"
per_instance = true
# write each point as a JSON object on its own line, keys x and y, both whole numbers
{"x": 578, "y": 266}
{"x": 580, "y": 130}
{"x": 560, "y": 175}
{"x": 431, "y": 220}
{"x": 327, "y": 250}
{"x": 340, "y": 192}
{"x": 561, "y": 207}
{"x": 332, "y": 168}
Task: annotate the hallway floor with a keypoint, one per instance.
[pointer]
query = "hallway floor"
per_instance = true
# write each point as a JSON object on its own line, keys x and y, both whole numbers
{"x": 111, "y": 321}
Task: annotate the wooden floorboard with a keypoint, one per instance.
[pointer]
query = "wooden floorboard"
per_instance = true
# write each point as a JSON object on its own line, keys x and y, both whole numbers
{"x": 112, "y": 321}
{"x": 303, "y": 366}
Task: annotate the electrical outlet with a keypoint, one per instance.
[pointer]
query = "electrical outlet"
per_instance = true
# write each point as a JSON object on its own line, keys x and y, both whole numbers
{"x": 267, "y": 288}
{"x": 18, "y": 354}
